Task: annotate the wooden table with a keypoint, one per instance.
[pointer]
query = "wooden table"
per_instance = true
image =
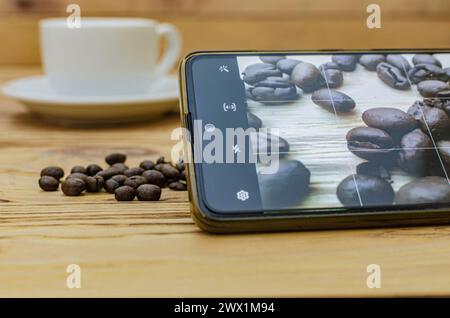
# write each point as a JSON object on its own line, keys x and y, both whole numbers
{"x": 154, "y": 249}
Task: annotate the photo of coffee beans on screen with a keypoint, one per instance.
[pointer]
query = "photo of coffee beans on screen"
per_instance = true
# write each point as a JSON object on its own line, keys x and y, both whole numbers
{"x": 358, "y": 130}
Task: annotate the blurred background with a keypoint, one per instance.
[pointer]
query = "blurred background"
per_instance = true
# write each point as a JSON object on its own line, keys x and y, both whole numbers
{"x": 244, "y": 24}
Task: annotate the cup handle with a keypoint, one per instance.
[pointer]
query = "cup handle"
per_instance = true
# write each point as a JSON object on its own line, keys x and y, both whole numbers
{"x": 173, "y": 49}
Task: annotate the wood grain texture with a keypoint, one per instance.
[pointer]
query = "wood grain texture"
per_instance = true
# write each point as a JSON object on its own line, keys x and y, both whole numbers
{"x": 154, "y": 249}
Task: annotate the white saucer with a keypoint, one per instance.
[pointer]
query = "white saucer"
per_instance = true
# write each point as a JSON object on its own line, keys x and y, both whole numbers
{"x": 36, "y": 94}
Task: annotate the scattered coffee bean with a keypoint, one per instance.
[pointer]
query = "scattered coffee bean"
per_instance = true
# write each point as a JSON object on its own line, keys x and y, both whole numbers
{"x": 331, "y": 78}
{"x": 286, "y": 187}
{"x": 137, "y": 171}
{"x": 373, "y": 169}
{"x": 371, "y": 144}
{"x": 434, "y": 88}
{"x": 417, "y": 109}
{"x": 147, "y": 165}
{"x": 120, "y": 178}
{"x": 426, "y": 59}
{"x": 148, "y": 192}
{"x": 160, "y": 160}
{"x": 392, "y": 76}
{"x": 121, "y": 167}
{"x": 183, "y": 175}
{"x": 272, "y": 89}
{"x": 267, "y": 145}
{"x": 169, "y": 171}
{"x": 255, "y": 73}
{"x": 135, "y": 181}
{"x": 272, "y": 59}
{"x": 94, "y": 184}
{"x": 345, "y": 62}
{"x": 329, "y": 66}
{"x": 254, "y": 121}
{"x": 333, "y": 100}
{"x": 73, "y": 186}
{"x": 111, "y": 185}
{"x": 364, "y": 190}
{"x": 108, "y": 173}
{"x": 125, "y": 193}
{"x": 93, "y": 169}
{"x": 444, "y": 151}
{"x": 287, "y": 65}
{"x": 155, "y": 177}
{"x": 416, "y": 153}
{"x": 306, "y": 76}
{"x": 77, "y": 175}
{"x": 370, "y": 61}
{"x": 115, "y": 158}
{"x": 424, "y": 190}
{"x": 399, "y": 62}
{"x": 48, "y": 183}
{"x": 178, "y": 186}
{"x": 436, "y": 122}
{"x": 392, "y": 120}
{"x": 423, "y": 72}
{"x": 441, "y": 103}
{"x": 79, "y": 169}
{"x": 53, "y": 171}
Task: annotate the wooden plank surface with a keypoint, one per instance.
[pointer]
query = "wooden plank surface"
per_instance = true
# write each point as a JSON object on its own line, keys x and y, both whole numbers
{"x": 154, "y": 249}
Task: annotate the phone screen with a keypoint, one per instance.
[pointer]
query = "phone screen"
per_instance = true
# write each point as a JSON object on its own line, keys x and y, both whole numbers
{"x": 320, "y": 132}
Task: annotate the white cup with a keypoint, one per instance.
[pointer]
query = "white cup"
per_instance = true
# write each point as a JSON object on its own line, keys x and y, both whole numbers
{"x": 106, "y": 55}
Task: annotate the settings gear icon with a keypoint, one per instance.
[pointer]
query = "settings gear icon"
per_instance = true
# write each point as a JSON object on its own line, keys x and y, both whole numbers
{"x": 242, "y": 195}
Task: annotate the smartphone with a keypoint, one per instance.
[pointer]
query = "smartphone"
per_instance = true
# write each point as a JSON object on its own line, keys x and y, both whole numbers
{"x": 302, "y": 140}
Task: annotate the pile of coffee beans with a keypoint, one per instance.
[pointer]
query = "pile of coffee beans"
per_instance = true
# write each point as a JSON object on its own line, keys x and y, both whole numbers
{"x": 144, "y": 182}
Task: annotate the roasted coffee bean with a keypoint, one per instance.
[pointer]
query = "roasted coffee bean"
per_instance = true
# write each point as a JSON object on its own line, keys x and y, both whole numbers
{"x": 53, "y": 171}
{"x": 183, "y": 175}
{"x": 178, "y": 186}
{"x": 333, "y": 100}
{"x": 158, "y": 166}
{"x": 399, "y": 62}
{"x": 155, "y": 177}
{"x": 424, "y": 190}
{"x": 267, "y": 145}
{"x": 255, "y": 73}
{"x": 147, "y": 165}
{"x": 48, "y": 183}
{"x": 120, "y": 178}
{"x": 392, "y": 76}
{"x": 108, "y": 173}
{"x": 444, "y": 151}
{"x": 79, "y": 169}
{"x": 373, "y": 169}
{"x": 77, "y": 175}
{"x": 422, "y": 72}
{"x": 115, "y": 158}
{"x": 426, "y": 59}
{"x": 364, "y": 190}
{"x": 180, "y": 165}
{"x": 254, "y": 121}
{"x": 417, "y": 109}
{"x": 93, "y": 169}
{"x": 287, "y": 187}
{"x": 73, "y": 186}
{"x": 329, "y": 66}
{"x": 272, "y": 59}
{"x": 441, "y": 103}
{"x": 331, "y": 78}
{"x": 94, "y": 184}
{"x": 287, "y": 65}
{"x": 169, "y": 171}
{"x": 416, "y": 153}
{"x": 436, "y": 122}
{"x": 270, "y": 94}
{"x": 370, "y": 61}
{"x": 121, "y": 167}
{"x": 346, "y": 63}
{"x": 447, "y": 70}
{"x": 148, "y": 192}
{"x": 111, "y": 185}
{"x": 124, "y": 193}
{"x": 434, "y": 88}
{"x": 306, "y": 76}
{"x": 392, "y": 120}
{"x": 371, "y": 144}
{"x": 135, "y": 181}
{"x": 137, "y": 171}
{"x": 160, "y": 160}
